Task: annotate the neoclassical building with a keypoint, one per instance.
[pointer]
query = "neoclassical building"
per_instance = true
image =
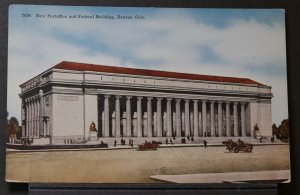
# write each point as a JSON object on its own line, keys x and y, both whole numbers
{"x": 62, "y": 103}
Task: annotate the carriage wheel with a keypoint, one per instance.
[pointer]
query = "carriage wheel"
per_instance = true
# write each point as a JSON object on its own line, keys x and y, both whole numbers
{"x": 236, "y": 150}
{"x": 248, "y": 150}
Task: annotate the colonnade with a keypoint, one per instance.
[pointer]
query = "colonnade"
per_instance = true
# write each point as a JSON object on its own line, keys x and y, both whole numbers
{"x": 137, "y": 116}
{"x": 36, "y": 122}
{"x": 33, "y": 114}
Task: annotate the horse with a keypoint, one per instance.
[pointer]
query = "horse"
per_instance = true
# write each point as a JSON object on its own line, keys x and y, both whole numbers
{"x": 230, "y": 145}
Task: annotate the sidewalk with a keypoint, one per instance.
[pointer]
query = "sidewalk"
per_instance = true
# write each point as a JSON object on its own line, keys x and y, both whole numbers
{"x": 118, "y": 147}
{"x": 234, "y": 177}
{"x": 198, "y": 142}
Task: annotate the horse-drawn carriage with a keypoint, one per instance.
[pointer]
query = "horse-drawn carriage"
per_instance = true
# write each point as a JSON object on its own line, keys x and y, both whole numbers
{"x": 148, "y": 146}
{"x": 238, "y": 146}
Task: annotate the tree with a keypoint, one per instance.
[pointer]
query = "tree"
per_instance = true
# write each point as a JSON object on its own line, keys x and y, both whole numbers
{"x": 14, "y": 128}
{"x": 282, "y": 131}
{"x": 274, "y": 130}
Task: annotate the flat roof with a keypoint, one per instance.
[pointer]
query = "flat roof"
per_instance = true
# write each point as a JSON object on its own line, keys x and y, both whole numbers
{"x": 155, "y": 73}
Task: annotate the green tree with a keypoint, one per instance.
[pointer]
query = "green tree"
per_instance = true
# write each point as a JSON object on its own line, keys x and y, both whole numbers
{"x": 274, "y": 130}
{"x": 284, "y": 129}
{"x": 14, "y": 128}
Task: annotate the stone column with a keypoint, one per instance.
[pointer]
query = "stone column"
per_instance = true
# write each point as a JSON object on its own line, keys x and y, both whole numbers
{"x": 154, "y": 124}
{"x": 178, "y": 118}
{"x": 44, "y": 127}
{"x": 191, "y": 124}
{"x": 139, "y": 116}
{"x": 38, "y": 118}
{"x": 187, "y": 117}
{"x": 33, "y": 117}
{"x": 235, "y": 119}
{"x": 149, "y": 116}
{"x": 220, "y": 124}
{"x": 41, "y": 113}
{"x": 196, "y": 117}
{"x": 212, "y": 119}
{"x": 113, "y": 124}
{"x": 243, "y": 119}
{"x": 27, "y": 117}
{"x": 169, "y": 117}
{"x": 204, "y": 117}
{"x": 159, "y": 117}
{"x": 200, "y": 124}
{"x": 106, "y": 116}
{"x": 47, "y": 127}
{"x": 118, "y": 116}
{"x": 228, "y": 119}
{"x": 124, "y": 124}
{"x": 128, "y": 116}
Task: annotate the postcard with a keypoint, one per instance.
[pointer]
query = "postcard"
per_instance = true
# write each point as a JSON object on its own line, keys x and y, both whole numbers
{"x": 146, "y": 95}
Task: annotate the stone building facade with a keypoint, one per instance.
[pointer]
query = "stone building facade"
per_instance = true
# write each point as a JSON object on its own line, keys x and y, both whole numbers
{"x": 61, "y": 103}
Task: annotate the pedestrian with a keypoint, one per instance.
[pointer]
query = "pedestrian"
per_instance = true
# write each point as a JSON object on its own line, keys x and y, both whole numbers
{"x": 171, "y": 141}
{"x": 205, "y": 143}
{"x": 28, "y": 140}
{"x": 188, "y": 137}
{"x": 167, "y": 141}
{"x": 192, "y": 139}
{"x": 115, "y": 143}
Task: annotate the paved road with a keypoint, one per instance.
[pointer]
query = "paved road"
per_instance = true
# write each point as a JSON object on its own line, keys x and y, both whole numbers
{"x": 131, "y": 166}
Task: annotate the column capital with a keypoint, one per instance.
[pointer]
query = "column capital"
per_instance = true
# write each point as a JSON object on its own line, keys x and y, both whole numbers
{"x": 186, "y": 100}
{"x": 169, "y": 99}
{"x": 212, "y": 101}
{"x": 139, "y": 98}
{"x": 107, "y": 96}
{"x": 235, "y": 103}
{"x": 195, "y": 101}
{"x": 149, "y": 98}
{"x": 220, "y": 101}
{"x": 242, "y": 103}
{"x": 203, "y": 101}
{"x": 178, "y": 99}
{"x": 159, "y": 98}
{"x": 129, "y": 97}
{"x": 118, "y": 96}
{"x": 227, "y": 102}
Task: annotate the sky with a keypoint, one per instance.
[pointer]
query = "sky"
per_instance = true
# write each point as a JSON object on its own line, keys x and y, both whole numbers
{"x": 246, "y": 43}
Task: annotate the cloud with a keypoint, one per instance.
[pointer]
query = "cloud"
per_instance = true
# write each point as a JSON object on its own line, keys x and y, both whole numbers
{"x": 168, "y": 39}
